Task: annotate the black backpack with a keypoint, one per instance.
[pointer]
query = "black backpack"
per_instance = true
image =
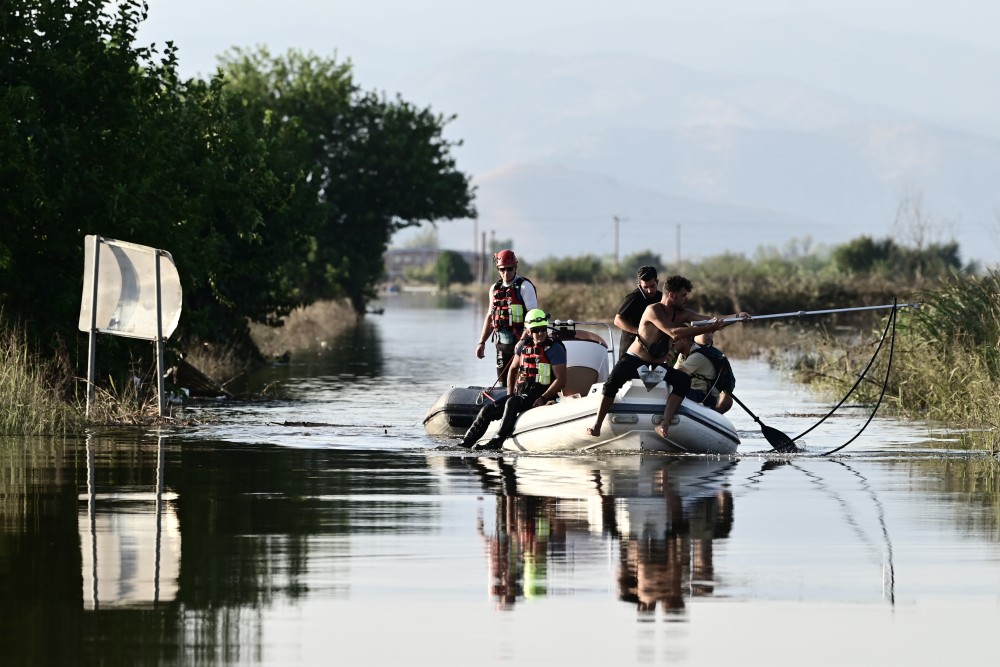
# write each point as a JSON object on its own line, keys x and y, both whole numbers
{"x": 724, "y": 378}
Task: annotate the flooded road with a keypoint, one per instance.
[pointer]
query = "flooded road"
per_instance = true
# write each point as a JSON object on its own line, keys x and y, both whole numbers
{"x": 256, "y": 538}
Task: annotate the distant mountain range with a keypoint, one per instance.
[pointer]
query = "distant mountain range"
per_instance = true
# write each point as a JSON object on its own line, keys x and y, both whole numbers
{"x": 560, "y": 146}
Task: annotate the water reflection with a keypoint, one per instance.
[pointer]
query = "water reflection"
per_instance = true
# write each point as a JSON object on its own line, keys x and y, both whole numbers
{"x": 130, "y": 541}
{"x": 653, "y": 519}
{"x": 355, "y": 353}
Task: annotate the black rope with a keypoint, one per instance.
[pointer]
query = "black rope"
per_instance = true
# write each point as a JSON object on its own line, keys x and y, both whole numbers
{"x": 885, "y": 384}
{"x": 892, "y": 322}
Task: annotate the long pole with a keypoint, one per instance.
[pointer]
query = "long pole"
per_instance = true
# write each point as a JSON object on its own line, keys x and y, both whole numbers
{"x": 801, "y": 313}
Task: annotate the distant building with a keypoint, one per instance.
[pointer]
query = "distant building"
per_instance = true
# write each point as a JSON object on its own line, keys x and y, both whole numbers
{"x": 398, "y": 260}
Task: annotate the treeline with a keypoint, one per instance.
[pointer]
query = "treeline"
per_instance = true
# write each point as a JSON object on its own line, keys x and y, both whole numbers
{"x": 799, "y": 276}
{"x": 275, "y": 183}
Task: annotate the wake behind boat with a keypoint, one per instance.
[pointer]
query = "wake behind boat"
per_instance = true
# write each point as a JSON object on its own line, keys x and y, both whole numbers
{"x": 561, "y": 426}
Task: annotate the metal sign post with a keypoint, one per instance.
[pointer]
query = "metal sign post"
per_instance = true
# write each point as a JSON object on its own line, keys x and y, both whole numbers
{"x": 128, "y": 290}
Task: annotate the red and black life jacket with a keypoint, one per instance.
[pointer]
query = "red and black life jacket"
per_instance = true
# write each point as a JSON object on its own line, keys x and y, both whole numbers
{"x": 508, "y": 307}
{"x": 535, "y": 365}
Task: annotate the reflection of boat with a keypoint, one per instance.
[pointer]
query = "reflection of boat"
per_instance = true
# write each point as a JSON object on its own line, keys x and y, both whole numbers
{"x": 579, "y": 477}
{"x": 561, "y": 426}
{"x": 589, "y": 360}
{"x": 554, "y": 514}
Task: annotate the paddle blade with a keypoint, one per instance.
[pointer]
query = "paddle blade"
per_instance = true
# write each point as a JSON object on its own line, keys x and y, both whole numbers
{"x": 780, "y": 441}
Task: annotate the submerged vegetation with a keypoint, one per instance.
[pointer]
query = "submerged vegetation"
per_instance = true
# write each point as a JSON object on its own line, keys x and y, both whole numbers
{"x": 30, "y": 403}
{"x": 945, "y": 361}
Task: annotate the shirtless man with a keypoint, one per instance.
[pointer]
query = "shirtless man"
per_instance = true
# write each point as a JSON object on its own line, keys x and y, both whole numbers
{"x": 661, "y": 323}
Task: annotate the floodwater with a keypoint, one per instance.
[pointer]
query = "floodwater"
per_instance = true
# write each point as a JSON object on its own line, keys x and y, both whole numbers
{"x": 324, "y": 527}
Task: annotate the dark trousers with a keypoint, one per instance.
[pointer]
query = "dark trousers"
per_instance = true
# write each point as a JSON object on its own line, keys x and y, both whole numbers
{"x": 627, "y": 369}
{"x": 508, "y": 408}
{"x": 504, "y": 354}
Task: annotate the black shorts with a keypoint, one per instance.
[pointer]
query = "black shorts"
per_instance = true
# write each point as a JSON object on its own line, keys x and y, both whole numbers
{"x": 627, "y": 369}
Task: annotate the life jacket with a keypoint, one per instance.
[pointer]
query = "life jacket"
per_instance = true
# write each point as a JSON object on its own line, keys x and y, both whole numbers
{"x": 535, "y": 365}
{"x": 724, "y": 378}
{"x": 508, "y": 307}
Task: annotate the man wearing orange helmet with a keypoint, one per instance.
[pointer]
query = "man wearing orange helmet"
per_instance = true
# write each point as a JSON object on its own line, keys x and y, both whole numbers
{"x": 510, "y": 298}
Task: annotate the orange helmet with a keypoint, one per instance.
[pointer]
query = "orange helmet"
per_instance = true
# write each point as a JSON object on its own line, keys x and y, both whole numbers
{"x": 505, "y": 258}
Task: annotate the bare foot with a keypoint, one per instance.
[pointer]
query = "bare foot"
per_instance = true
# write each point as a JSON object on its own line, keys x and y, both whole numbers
{"x": 661, "y": 431}
{"x": 593, "y": 431}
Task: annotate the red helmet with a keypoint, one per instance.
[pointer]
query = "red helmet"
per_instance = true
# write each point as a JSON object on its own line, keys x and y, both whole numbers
{"x": 505, "y": 258}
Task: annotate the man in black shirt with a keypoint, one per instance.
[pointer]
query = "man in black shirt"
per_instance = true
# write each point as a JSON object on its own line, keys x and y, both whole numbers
{"x": 630, "y": 312}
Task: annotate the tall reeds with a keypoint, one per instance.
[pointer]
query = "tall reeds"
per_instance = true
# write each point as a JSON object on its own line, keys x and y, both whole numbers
{"x": 29, "y": 401}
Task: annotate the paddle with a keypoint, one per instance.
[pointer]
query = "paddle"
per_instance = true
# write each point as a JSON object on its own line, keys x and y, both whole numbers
{"x": 779, "y": 441}
{"x": 801, "y": 313}
{"x": 503, "y": 373}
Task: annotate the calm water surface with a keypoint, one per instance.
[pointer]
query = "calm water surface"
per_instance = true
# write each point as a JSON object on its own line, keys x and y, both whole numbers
{"x": 324, "y": 527}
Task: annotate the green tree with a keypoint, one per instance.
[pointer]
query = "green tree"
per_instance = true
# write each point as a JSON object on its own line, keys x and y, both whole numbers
{"x": 376, "y": 165}
{"x": 631, "y": 264}
{"x": 451, "y": 268}
{"x": 271, "y": 187}
{"x": 864, "y": 254}
{"x": 584, "y": 269}
{"x": 103, "y": 138}
{"x": 90, "y": 128}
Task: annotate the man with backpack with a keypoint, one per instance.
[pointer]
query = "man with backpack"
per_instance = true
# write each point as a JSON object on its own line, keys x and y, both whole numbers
{"x": 712, "y": 379}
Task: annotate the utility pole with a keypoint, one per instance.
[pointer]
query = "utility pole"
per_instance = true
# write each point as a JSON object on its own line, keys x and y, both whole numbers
{"x": 615, "y": 218}
{"x": 678, "y": 258}
{"x": 489, "y": 253}
{"x": 477, "y": 257}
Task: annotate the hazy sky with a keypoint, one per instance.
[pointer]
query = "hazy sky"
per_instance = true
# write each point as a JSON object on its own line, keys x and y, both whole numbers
{"x": 364, "y": 30}
{"x": 395, "y": 44}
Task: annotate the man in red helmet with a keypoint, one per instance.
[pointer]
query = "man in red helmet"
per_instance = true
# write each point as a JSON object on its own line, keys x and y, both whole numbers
{"x": 510, "y": 298}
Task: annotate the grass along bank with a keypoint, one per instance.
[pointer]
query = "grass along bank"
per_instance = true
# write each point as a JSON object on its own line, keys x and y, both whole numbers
{"x": 30, "y": 403}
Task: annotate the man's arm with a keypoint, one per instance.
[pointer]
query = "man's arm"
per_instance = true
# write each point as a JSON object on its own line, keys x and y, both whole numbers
{"x": 625, "y": 326}
{"x": 484, "y": 335}
{"x": 554, "y": 387}
{"x": 529, "y": 295}
{"x": 657, "y": 316}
